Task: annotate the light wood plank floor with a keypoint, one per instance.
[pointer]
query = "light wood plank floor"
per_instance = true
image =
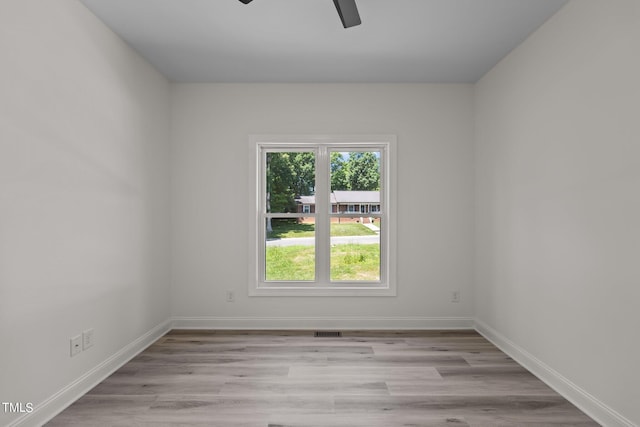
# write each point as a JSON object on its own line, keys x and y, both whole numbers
{"x": 291, "y": 379}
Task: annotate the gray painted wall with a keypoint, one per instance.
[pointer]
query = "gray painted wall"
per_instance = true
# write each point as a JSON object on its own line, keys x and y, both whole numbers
{"x": 558, "y": 205}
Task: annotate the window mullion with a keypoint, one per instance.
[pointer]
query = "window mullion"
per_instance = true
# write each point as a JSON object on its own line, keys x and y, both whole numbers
{"x": 323, "y": 246}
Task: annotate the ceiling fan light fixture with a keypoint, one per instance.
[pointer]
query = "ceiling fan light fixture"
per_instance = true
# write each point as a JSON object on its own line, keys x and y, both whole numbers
{"x": 348, "y": 11}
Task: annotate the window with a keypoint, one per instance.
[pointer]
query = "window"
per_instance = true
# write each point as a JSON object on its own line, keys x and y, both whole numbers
{"x": 309, "y": 235}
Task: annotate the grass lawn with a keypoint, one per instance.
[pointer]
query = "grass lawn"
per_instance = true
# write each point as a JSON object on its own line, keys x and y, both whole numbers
{"x": 288, "y": 229}
{"x": 348, "y": 262}
{"x": 290, "y": 263}
{"x": 350, "y": 229}
{"x": 285, "y": 230}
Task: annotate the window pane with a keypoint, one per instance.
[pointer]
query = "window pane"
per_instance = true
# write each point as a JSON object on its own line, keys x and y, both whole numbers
{"x": 355, "y": 249}
{"x": 355, "y": 190}
{"x": 290, "y": 181}
{"x": 290, "y": 249}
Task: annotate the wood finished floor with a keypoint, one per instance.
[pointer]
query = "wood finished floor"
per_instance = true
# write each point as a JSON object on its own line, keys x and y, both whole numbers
{"x": 291, "y": 379}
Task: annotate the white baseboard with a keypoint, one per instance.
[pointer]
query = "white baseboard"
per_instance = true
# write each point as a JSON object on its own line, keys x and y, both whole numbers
{"x": 587, "y": 403}
{"x": 344, "y": 323}
{"x": 55, "y": 404}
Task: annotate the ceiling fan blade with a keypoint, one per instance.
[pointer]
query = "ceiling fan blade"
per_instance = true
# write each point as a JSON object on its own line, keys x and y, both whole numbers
{"x": 246, "y": 1}
{"x": 348, "y": 12}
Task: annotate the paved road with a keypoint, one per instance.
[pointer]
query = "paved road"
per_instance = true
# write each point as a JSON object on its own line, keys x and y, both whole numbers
{"x": 339, "y": 240}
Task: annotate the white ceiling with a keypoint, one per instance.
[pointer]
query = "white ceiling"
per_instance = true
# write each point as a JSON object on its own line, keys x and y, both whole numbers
{"x": 288, "y": 41}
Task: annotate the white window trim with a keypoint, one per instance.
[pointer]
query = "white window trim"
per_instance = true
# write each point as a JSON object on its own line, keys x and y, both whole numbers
{"x": 388, "y": 245}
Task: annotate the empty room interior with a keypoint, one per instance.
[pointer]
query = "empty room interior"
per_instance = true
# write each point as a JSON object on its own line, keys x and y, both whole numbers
{"x": 319, "y": 213}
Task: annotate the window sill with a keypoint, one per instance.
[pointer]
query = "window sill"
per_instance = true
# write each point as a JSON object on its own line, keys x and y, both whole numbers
{"x": 317, "y": 291}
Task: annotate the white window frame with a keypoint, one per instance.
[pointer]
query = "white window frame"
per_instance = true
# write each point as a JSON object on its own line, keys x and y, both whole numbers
{"x": 306, "y": 208}
{"x": 321, "y": 144}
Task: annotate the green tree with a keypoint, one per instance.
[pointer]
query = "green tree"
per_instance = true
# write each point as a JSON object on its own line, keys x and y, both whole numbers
{"x": 363, "y": 171}
{"x": 303, "y": 171}
{"x": 280, "y": 196}
{"x": 289, "y": 175}
{"x": 338, "y": 172}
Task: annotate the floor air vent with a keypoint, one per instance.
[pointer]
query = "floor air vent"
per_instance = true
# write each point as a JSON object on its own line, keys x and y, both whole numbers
{"x": 325, "y": 334}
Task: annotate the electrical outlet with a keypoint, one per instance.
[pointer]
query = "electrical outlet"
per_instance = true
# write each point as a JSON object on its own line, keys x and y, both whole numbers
{"x": 455, "y": 296}
{"x": 87, "y": 339}
{"x": 231, "y": 296}
{"x": 76, "y": 345}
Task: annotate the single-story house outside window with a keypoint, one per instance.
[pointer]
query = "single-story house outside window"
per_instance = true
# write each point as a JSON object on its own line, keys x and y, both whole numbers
{"x": 356, "y": 202}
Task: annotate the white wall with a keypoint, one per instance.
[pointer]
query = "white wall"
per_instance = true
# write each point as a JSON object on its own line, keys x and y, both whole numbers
{"x": 558, "y": 200}
{"x": 210, "y": 168}
{"x": 84, "y": 203}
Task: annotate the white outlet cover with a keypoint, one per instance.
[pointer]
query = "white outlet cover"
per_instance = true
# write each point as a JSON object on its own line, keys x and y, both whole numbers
{"x": 76, "y": 345}
{"x": 87, "y": 339}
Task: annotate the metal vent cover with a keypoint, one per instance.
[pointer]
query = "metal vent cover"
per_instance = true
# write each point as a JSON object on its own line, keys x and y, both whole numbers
{"x": 325, "y": 334}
